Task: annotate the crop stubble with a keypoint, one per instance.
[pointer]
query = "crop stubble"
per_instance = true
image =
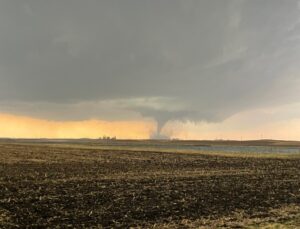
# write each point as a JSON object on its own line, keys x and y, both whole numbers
{"x": 48, "y": 186}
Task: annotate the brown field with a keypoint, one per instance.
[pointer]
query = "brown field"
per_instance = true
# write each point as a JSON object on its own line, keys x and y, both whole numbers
{"x": 44, "y": 185}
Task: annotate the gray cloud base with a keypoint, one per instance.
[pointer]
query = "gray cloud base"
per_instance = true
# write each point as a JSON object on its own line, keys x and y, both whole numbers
{"x": 196, "y": 60}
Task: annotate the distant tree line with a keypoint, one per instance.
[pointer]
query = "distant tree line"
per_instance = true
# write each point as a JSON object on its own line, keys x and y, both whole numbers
{"x": 108, "y": 138}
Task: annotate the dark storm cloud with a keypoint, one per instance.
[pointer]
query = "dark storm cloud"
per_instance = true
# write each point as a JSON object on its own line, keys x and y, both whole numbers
{"x": 197, "y": 60}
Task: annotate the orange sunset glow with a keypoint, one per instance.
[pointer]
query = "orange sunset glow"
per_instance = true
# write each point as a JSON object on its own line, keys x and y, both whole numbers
{"x": 25, "y": 127}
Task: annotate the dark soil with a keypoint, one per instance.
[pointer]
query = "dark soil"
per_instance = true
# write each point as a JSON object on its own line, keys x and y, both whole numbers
{"x": 43, "y": 186}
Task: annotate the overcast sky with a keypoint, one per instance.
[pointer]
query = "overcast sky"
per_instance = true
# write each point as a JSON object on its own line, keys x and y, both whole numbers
{"x": 126, "y": 60}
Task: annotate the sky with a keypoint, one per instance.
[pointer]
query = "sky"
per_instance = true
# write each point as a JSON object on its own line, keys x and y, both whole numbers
{"x": 192, "y": 69}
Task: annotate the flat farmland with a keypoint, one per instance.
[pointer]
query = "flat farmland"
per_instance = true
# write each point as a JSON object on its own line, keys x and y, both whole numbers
{"x": 51, "y": 186}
